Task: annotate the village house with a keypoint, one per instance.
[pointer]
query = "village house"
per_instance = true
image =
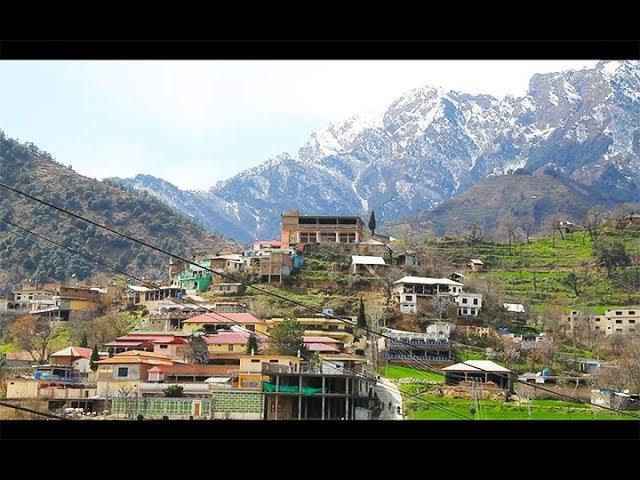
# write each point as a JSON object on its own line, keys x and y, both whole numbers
{"x": 324, "y": 229}
{"x": 366, "y": 265}
{"x": 376, "y": 248}
{"x": 141, "y": 295}
{"x": 120, "y": 375}
{"x": 64, "y": 382}
{"x": 406, "y": 259}
{"x": 476, "y": 265}
{"x": 171, "y": 344}
{"x": 77, "y": 303}
{"x": 469, "y": 304}
{"x": 514, "y": 308}
{"x": 326, "y": 392}
{"x": 482, "y": 371}
{"x": 275, "y": 267}
{"x": 622, "y": 320}
{"x": 213, "y": 321}
{"x": 431, "y": 346}
{"x": 226, "y": 288}
{"x": 414, "y": 293}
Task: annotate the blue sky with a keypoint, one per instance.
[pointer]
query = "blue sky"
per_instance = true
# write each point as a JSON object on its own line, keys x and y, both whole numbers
{"x": 194, "y": 123}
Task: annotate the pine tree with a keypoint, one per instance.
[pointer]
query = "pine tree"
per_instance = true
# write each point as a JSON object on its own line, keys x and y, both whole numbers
{"x": 95, "y": 356}
{"x": 372, "y": 222}
{"x": 252, "y": 345}
{"x": 362, "y": 318}
{"x": 84, "y": 342}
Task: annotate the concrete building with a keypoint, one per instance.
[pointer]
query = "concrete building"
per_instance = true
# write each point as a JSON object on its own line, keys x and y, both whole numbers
{"x": 469, "y": 304}
{"x": 325, "y": 229}
{"x": 413, "y": 294}
{"x": 407, "y": 347}
{"x": 622, "y": 320}
{"x": 319, "y": 393}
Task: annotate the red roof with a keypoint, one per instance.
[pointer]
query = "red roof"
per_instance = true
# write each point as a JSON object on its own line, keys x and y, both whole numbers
{"x": 131, "y": 343}
{"x": 319, "y": 339}
{"x": 320, "y": 347}
{"x": 226, "y": 318}
{"x": 227, "y": 338}
{"x": 80, "y": 352}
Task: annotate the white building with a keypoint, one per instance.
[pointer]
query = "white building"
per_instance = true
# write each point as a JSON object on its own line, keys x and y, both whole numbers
{"x": 469, "y": 304}
{"x": 413, "y": 293}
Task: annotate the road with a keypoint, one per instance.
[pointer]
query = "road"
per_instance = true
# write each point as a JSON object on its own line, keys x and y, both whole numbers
{"x": 387, "y": 391}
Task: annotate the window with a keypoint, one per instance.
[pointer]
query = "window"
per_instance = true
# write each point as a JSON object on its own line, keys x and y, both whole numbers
{"x": 255, "y": 360}
{"x": 632, "y": 312}
{"x": 123, "y": 372}
{"x": 347, "y": 238}
{"x": 307, "y": 238}
{"x": 327, "y": 237}
{"x": 273, "y": 361}
{"x": 618, "y": 321}
{"x": 231, "y": 347}
{"x": 475, "y": 301}
{"x": 409, "y": 298}
{"x": 632, "y": 321}
{"x": 164, "y": 346}
{"x": 464, "y": 300}
{"x": 618, "y": 313}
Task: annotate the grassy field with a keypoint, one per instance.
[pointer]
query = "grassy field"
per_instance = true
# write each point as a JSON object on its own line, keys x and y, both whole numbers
{"x": 495, "y": 410}
{"x": 532, "y": 273}
{"x": 395, "y": 372}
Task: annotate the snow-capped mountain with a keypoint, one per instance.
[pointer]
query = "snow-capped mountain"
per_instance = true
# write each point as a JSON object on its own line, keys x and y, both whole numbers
{"x": 430, "y": 145}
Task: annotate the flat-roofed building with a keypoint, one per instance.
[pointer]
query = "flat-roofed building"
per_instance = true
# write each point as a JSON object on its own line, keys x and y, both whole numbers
{"x": 413, "y": 293}
{"x": 324, "y": 229}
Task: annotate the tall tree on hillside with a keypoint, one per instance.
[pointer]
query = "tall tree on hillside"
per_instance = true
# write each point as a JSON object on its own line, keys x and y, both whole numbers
{"x": 611, "y": 254}
{"x": 287, "y": 337}
{"x": 572, "y": 281}
{"x": 84, "y": 342}
{"x": 372, "y": 222}
{"x": 35, "y": 335}
{"x": 95, "y": 357}
{"x": 252, "y": 345}
{"x": 362, "y": 318}
{"x": 196, "y": 350}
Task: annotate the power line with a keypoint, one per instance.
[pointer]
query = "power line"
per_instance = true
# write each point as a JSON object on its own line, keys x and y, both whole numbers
{"x": 91, "y": 259}
{"x": 231, "y": 277}
{"x": 30, "y": 410}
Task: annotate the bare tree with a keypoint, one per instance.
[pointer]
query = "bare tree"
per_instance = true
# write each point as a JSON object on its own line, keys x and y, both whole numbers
{"x": 526, "y": 224}
{"x": 594, "y": 221}
{"x": 624, "y": 372}
{"x": 35, "y": 335}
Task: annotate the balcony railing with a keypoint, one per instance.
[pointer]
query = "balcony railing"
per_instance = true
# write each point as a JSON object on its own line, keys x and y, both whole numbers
{"x": 58, "y": 378}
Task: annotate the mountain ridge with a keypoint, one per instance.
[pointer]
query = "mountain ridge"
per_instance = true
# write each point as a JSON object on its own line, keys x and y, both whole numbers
{"x": 429, "y": 145}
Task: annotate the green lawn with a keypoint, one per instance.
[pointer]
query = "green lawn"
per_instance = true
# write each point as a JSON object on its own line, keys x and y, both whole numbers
{"x": 395, "y": 372}
{"x": 495, "y": 410}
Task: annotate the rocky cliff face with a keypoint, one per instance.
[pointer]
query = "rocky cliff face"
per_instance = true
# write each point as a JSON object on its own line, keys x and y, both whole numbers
{"x": 430, "y": 145}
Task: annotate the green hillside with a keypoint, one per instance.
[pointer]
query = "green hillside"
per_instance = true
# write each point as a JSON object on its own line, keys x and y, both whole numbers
{"x": 532, "y": 273}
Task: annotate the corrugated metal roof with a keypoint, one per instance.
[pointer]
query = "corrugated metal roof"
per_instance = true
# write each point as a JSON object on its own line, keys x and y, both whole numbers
{"x": 476, "y": 366}
{"x": 366, "y": 260}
